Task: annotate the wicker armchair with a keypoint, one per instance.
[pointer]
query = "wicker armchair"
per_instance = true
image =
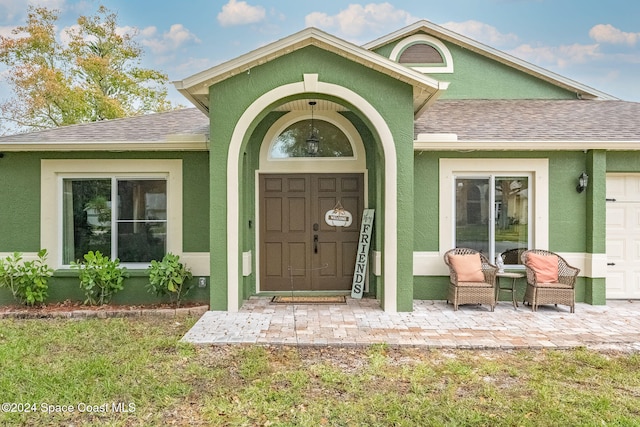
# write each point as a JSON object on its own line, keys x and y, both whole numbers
{"x": 466, "y": 289}
{"x": 512, "y": 256}
{"x": 543, "y": 289}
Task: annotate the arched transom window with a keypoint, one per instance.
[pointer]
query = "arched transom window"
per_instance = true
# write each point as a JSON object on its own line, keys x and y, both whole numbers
{"x": 292, "y": 142}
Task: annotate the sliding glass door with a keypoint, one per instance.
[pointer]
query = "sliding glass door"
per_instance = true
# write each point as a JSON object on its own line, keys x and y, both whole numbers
{"x": 492, "y": 215}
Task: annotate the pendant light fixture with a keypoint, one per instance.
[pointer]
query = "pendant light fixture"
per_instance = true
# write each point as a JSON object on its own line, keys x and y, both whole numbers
{"x": 313, "y": 142}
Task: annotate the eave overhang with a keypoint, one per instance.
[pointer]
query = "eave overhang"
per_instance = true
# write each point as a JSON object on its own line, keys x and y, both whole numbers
{"x": 178, "y": 143}
{"x": 582, "y": 91}
{"x": 425, "y": 89}
{"x": 446, "y": 144}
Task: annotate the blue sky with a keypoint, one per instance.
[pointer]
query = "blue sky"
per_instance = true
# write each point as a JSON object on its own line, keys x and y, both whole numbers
{"x": 594, "y": 42}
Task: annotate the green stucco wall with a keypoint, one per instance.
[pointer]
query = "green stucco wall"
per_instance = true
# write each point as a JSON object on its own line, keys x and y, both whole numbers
{"x": 623, "y": 161}
{"x": 230, "y": 99}
{"x": 20, "y": 216}
{"x": 567, "y": 224}
{"x": 19, "y": 203}
{"x": 576, "y": 220}
{"x": 477, "y": 77}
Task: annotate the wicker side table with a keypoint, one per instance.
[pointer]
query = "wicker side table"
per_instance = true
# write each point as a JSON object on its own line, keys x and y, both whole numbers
{"x": 512, "y": 288}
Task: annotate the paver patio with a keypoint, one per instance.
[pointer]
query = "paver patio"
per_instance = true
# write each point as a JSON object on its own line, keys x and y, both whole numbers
{"x": 433, "y": 324}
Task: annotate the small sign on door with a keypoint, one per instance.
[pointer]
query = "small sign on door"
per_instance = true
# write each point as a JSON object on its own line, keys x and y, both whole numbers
{"x": 338, "y": 216}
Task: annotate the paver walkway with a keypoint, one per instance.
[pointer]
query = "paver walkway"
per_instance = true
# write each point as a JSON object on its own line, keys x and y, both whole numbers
{"x": 434, "y": 324}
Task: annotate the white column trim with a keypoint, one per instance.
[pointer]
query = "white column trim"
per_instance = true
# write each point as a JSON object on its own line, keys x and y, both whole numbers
{"x": 390, "y": 191}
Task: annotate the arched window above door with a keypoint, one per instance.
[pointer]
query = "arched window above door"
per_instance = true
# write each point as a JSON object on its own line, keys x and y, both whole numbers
{"x": 284, "y": 147}
{"x": 292, "y": 142}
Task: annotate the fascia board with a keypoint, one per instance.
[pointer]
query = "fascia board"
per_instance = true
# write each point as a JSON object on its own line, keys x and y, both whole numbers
{"x": 174, "y": 143}
{"x": 480, "y": 145}
{"x": 492, "y": 53}
{"x": 193, "y": 99}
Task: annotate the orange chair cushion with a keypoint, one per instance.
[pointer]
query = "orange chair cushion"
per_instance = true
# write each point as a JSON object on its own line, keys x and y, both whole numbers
{"x": 467, "y": 267}
{"x": 545, "y": 267}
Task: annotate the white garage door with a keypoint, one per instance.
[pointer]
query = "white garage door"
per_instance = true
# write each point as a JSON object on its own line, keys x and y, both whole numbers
{"x": 623, "y": 236}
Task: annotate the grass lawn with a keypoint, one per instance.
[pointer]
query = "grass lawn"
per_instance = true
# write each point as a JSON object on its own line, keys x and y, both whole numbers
{"x": 100, "y": 368}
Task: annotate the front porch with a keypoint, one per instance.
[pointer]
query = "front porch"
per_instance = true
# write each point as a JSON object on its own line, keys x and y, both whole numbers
{"x": 431, "y": 324}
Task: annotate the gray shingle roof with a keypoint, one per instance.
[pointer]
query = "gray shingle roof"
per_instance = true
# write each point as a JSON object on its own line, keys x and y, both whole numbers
{"x": 149, "y": 127}
{"x": 471, "y": 120}
{"x": 533, "y": 120}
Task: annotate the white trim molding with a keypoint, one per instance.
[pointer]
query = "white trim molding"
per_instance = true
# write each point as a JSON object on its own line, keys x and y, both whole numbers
{"x": 429, "y": 264}
{"x": 173, "y": 143}
{"x": 390, "y": 183}
{"x": 198, "y": 262}
{"x": 449, "y": 142}
{"x": 590, "y": 265}
{"x": 52, "y": 172}
{"x": 539, "y": 168}
{"x": 356, "y": 163}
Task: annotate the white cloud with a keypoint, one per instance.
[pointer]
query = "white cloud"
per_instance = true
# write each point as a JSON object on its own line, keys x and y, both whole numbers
{"x": 170, "y": 40}
{"x": 558, "y": 56}
{"x": 149, "y": 31}
{"x": 67, "y": 32}
{"x": 49, "y": 4}
{"x": 482, "y": 32}
{"x": 8, "y": 32}
{"x": 357, "y": 20}
{"x": 192, "y": 65}
{"x": 607, "y": 33}
{"x": 159, "y": 44}
{"x": 240, "y": 13}
{"x": 11, "y": 10}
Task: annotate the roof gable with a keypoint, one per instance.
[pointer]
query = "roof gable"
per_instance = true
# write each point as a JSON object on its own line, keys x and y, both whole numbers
{"x": 196, "y": 88}
{"x": 582, "y": 91}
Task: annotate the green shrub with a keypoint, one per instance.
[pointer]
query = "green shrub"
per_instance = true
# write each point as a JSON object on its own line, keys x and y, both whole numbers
{"x": 169, "y": 277}
{"x": 100, "y": 277}
{"x": 28, "y": 281}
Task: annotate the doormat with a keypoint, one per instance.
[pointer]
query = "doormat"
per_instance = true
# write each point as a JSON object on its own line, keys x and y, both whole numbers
{"x": 340, "y": 299}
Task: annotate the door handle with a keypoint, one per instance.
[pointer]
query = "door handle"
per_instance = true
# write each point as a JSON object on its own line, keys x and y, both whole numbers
{"x": 611, "y": 263}
{"x": 315, "y": 243}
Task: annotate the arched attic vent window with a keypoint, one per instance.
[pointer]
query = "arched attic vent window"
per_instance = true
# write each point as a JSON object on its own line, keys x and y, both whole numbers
{"x": 423, "y": 53}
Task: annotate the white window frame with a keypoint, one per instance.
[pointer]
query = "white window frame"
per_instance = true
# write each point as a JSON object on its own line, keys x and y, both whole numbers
{"x": 51, "y": 211}
{"x": 536, "y": 169}
{"x": 115, "y": 221}
{"x": 491, "y": 219}
{"x": 357, "y": 162}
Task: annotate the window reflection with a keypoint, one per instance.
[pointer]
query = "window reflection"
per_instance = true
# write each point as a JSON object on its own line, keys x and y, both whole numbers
{"x": 137, "y": 217}
{"x": 501, "y": 230}
{"x": 293, "y": 141}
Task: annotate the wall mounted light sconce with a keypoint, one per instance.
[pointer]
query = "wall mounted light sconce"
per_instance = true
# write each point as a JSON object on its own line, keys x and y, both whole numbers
{"x": 313, "y": 142}
{"x": 583, "y": 182}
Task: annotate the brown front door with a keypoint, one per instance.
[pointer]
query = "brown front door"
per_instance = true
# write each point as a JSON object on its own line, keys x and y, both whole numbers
{"x": 299, "y": 251}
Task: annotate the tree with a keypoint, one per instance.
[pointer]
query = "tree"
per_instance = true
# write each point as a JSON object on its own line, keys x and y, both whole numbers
{"x": 95, "y": 75}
